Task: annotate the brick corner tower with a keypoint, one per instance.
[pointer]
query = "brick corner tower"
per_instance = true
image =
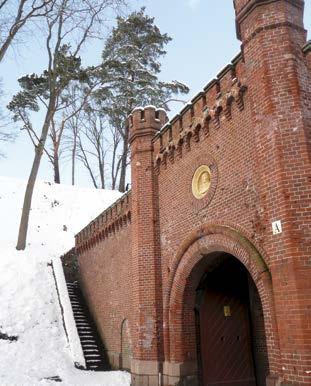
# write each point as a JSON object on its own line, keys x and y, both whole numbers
{"x": 276, "y": 61}
{"x": 146, "y": 301}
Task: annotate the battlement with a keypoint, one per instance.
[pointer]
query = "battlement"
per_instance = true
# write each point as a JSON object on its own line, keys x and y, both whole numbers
{"x": 208, "y": 108}
{"x": 111, "y": 220}
{"x": 144, "y": 119}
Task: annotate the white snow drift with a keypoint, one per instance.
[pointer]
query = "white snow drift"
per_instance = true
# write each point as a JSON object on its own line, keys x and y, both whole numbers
{"x": 29, "y": 303}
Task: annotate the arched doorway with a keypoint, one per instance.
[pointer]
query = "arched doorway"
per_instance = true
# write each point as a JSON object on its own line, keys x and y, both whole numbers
{"x": 230, "y": 326}
{"x": 201, "y": 254}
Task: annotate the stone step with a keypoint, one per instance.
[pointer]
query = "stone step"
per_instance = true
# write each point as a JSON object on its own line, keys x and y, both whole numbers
{"x": 92, "y": 355}
{"x": 91, "y": 350}
{"x": 93, "y": 360}
{"x": 86, "y": 329}
{"x": 83, "y": 324}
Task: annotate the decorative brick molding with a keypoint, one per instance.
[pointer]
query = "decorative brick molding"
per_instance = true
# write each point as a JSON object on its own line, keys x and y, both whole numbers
{"x": 198, "y": 119}
{"x": 270, "y": 27}
{"x": 107, "y": 223}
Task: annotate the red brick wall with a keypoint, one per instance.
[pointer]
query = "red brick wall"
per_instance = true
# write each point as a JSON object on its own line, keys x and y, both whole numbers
{"x": 280, "y": 95}
{"x": 261, "y": 166}
{"x": 259, "y": 342}
{"x": 251, "y": 126}
{"x": 105, "y": 271}
{"x": 235, "y": 202}
{"x": 104, "y": 255}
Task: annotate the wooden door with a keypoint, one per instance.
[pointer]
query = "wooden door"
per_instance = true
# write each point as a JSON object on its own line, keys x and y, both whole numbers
{"x": 226, "y": 352}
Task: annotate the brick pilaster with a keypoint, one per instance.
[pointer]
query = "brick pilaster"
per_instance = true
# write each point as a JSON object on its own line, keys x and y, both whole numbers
{"x": 144, "y": 123}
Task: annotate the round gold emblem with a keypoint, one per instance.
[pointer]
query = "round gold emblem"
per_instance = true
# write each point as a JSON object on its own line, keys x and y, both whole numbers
{"x": 201, "y": 181}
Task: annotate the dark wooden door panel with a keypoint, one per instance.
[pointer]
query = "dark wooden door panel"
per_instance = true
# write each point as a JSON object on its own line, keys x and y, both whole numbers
{"x": 225, "y": 340}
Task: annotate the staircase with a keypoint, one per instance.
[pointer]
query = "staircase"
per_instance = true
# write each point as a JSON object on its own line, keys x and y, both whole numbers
{"x": 92, "y": 347}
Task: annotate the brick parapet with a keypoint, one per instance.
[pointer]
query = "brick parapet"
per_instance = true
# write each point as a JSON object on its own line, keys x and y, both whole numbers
{"x": 146, "y": 120}
{"x": 205, "y": 112}
{"x": 108, "y": 222}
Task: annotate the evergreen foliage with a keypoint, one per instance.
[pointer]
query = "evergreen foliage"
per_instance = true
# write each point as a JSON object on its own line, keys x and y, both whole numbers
{"x": 36, "y": 89}
{"x": 129, "y": 72}
{"x": 131, "y": 65}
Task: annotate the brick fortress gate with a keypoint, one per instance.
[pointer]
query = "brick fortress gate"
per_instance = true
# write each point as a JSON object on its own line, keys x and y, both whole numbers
{"x": 201, "y": 273}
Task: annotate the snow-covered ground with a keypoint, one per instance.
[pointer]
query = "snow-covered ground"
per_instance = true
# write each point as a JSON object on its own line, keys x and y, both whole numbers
{"x": 29, "y": 305}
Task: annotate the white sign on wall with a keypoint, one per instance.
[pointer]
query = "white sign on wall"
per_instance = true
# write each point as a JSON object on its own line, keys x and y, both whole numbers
{"x": 276, "y": 227}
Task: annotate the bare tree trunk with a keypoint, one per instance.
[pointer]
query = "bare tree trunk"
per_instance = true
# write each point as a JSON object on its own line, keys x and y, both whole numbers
{"x": 101, "y": 173}
{"x": 124, "y": 161}
{"x": 23, "y": 227}
{"x": 113, "y": 176}
{"x": 56, "y": 168}
{"x": 74, "y": 125}
{"x": 4, "y": 47}
{"x": 73, "y": 163}
{"x": 91, "y": 175}
{"x": 115, "y": 164}
{"x": 84, "y": 160}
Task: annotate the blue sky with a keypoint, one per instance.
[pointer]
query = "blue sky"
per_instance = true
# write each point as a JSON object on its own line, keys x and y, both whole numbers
{"x": 204, "y": 41}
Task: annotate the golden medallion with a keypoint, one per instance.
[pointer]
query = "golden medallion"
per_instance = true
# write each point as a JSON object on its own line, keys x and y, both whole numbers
{"x": 201, "y": 181}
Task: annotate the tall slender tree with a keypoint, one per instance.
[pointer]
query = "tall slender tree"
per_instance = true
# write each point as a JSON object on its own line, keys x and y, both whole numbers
{"x": 73, "y": 21}
{"x": 130, "y": 70}
{"x": 35, "y": 95}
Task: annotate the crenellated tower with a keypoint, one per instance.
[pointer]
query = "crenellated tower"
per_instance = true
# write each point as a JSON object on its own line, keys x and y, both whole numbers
{"x": 146, "y": 268}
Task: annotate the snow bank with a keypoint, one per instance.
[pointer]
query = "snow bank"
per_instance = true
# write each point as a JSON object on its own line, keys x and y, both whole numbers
{"x": 67, "y": 314}
{"x": 30, "y": 310}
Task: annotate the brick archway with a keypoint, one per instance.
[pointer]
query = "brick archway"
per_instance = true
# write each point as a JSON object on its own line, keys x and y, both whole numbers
{"x": 198, "y": 252}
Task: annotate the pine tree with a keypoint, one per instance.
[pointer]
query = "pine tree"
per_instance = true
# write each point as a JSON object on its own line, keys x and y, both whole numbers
{"x": 130, "y": 69}
{"x": 35, "y": 96}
